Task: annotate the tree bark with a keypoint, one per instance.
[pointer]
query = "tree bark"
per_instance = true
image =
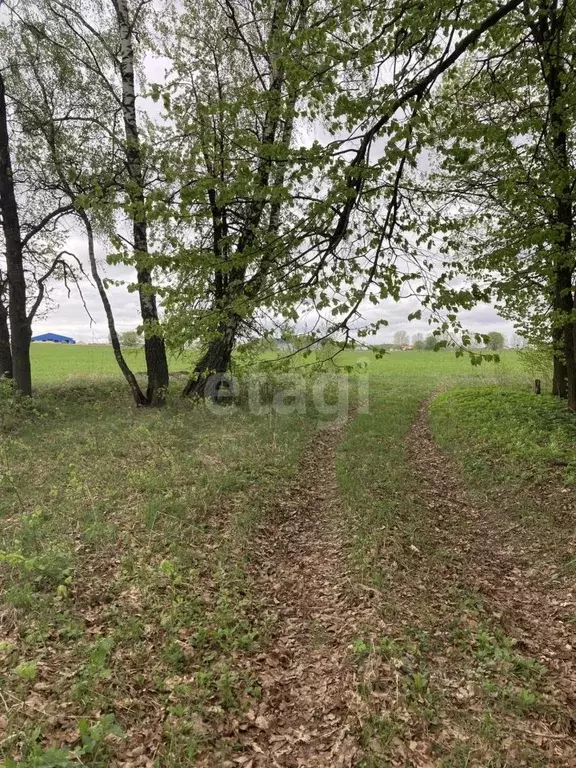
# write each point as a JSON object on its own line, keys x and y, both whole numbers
{"x": 154, "y": 346}
{"x": 20, "y": 331}
{"x": 139, "y": 397}
{"x": 215, "y": 361}
{"x": 560, "y": 374}
{"x": 548, "y": 32}
{"x": 5, "y": 353}
{"x": 566, "y": 367}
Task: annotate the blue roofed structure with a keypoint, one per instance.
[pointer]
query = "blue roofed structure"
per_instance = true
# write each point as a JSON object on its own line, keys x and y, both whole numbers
{"x": 54, "y": 338}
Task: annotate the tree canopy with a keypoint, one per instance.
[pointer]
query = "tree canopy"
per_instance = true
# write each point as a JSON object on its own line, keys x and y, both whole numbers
{"x": 299, "y": 159}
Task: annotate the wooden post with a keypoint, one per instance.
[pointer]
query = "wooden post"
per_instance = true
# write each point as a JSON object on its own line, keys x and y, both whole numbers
{"x": 538, "y": 387}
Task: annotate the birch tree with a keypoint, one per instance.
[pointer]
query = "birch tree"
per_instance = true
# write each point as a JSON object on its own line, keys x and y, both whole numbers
{"x": 97, "y": 37}
{"x": 73, "y": 148}
{"x": 154, "y": 345}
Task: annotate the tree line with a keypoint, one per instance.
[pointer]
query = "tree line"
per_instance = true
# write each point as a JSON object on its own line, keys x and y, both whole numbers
{"x": 493, "y": 341}
{"x": 298, "y": 157}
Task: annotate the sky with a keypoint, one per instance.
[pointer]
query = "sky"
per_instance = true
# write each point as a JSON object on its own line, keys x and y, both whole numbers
{"x": 68, "y": 317}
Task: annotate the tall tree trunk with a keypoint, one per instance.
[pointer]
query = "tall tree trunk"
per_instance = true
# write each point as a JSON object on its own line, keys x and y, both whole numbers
{"x": 154, "y": 346}
{"x": 560, "y": 373}
{"x": 5, "y": 353}
{"x": 137, "y": 394}
{"x": 216, "y": 361}
{"x": 567, "y": 366}
{"x": 20, "y": 332}
{"x": 549, "y": 33}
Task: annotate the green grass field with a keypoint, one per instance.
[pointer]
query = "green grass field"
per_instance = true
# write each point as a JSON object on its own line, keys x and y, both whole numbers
{"x": 131, "y": 621}
{"x": 58, "y": 363}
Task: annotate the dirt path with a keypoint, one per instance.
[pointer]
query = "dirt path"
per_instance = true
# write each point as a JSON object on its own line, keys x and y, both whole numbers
{"x": 514, "y": 570}
{"x": 446, "y": 682}
{"x": 307, "y": 713}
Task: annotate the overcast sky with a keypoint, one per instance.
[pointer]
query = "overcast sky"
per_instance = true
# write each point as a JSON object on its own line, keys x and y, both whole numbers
{"x": 69, "y": 318}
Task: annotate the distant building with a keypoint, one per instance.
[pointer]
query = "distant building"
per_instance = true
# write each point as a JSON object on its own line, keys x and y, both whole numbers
{"x": 54, "y": 338}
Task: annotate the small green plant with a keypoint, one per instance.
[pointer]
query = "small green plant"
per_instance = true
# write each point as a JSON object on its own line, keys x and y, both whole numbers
{"x": 94, "y": 745}
{"x": 26, "y": 670}
{"x": 388, "y": 648}
{"x": 419, "y": 683}
{"x": 96, "y": 669}
{"x": 360, "y": 648}
{"x": 95, "y": 737}
{"x": 526, "y": 700}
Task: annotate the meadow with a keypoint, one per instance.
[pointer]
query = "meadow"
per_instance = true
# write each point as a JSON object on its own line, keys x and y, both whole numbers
{"x": 58, "y": 363}
{"x": 141, "y": 590}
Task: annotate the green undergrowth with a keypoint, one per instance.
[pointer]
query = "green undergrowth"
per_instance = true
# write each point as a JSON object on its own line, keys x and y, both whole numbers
{"x": 376, "y": 479}
{"x": 509, "y": 435}
{"x": 447, "y": 691}
{"x": 124, "y": 538}
{"x": 444, "y": 682}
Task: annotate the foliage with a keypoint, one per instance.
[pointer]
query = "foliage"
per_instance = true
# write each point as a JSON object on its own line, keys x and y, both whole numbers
{"x": 430, "y": 342}
{"x": 518, "y": 434}
{"x": 418, "y": 341}
{"x": 131, "y": 339}
{"x": 94, "y": 741}
{"x": 495, "y": 341}
{"x": 537, "y": 361}
{"x": 498, "y": 197}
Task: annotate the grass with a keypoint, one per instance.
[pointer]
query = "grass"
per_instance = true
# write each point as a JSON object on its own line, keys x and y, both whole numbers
{"x": 122, "y": 550}
{"x": 57, "y": 363}
{"x": 512, "y": 433}
{"x": 127, "y": 607}
{"x": 447, "y": 678}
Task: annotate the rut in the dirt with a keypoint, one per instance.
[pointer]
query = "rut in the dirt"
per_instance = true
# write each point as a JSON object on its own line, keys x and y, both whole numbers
{"x": 502, "y": 560}
{"x": 306, "y": 717}
{"x": 513, "y": 568}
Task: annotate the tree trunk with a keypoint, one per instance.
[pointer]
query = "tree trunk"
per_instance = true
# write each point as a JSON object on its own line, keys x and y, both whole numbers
{"x": 154, "y": 346}
{"x": 560, "y": 378}
{"x": 560, "y": 375}
{"x": 215, "y": 362}
{"x": 548, "y": 31}
{"x": 20, "y": 332}
{"x": 137, "y": 394}
{"x": 566, "y": 367}
{"x": 5, "y": 353}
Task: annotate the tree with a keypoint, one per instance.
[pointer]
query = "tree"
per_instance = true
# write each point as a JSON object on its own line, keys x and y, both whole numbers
{"x": 19, "y": 325}
{"x": 130, "y": 339}
{"x": 257, "y": 225}
{"x": 97, "y": 41}
{"x": 154, "y": 345}
{"x": 430, "y": 342}
{"x": 269, "y": 227}
{"x": 5, "y": 353}
{"x": 418, "y": 341}
{"x": 69, "y": 149}
{"x": 232, "y": 248}
{"x": 401, "y": 339}
{"x": 507, "y": 177}
{"x": 495, "y": 341}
